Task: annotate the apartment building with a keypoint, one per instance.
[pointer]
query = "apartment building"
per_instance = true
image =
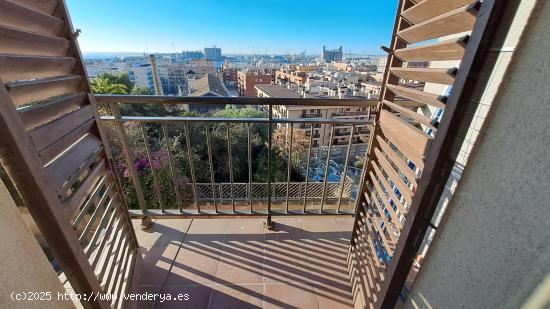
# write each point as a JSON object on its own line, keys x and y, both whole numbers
{"x": 342, "y": 66}
{"x": 141, "y": 75}
{"x": 381, "y": 67}
{"x": 201, "y": 66}
{"x": 230, "y": 75}
{"x": 293, "y": 76}
{"x": 370, "y": 88}
{"x": 248, "y": 78}
{"x": 191, "y": 55}
{"x": 213, "y": 53}
{"x": 330, "y": 55}
{"x": 95, "y": 68}
{"x": 321, "y": 133}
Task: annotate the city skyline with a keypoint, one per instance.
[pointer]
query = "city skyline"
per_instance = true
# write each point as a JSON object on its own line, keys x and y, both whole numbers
{"x": 237, "y": 27}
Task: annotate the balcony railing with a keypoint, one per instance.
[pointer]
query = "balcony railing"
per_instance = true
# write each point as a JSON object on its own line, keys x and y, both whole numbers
{"x": 315, "y": 115}
{"x": 174, "y": 165}
{"x": 351, "y": 113}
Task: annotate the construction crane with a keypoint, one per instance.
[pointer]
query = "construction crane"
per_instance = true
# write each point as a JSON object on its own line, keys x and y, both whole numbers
{"x": 175, "y": 51}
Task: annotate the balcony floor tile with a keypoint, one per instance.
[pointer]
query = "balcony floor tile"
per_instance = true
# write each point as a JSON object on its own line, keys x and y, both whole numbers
{"x": 236, "y": 263}
{"x": 156, "y": 264}
{"x": 237, "y": 296}
{"x": 196, "y": 263}
{"x": 292, "y": 295}
{"x": 170, "y": 231}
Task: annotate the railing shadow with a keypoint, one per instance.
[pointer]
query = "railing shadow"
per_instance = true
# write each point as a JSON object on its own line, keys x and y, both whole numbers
{"x": 312, "y": 263}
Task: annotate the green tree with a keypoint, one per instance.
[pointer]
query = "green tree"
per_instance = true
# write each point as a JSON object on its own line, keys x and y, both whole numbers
{"x": 148, "y": 110}
{"x": 140, "y": 90}
{"x": 119, "y": 78}
{"x": 102, "y": 85}
{"x": 184, "y": 113}
{"x": 247, "y": 112}
{"x": 178, "y": 147}
{"x": 300, "y": 142}
{"x": 278, "y": 167}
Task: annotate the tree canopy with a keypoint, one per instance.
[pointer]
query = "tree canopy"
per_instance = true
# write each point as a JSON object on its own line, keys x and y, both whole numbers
{"x": 119, "y": 78}
{"x": 102, "y": 85}
{"x": 247, "y": 112}
{"x": 140, "y": 90}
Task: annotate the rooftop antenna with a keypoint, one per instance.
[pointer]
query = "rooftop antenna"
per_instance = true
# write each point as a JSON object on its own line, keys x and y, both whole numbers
{"x": 175, "y": 50}
{"x": 146, "y": 51}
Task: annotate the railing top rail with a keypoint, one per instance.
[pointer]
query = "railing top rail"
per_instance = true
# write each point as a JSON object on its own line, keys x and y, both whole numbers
{"x": 168, "y": 119}
{"x": 151, "y": 99}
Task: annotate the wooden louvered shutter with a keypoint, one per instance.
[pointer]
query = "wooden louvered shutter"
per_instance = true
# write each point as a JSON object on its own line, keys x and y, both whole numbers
{"x": 410, "y": 157}
{"x": 51, "y": 146}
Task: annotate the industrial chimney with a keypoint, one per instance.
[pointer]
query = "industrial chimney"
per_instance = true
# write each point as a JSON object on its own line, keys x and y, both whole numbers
{"x": 156, "y": 76}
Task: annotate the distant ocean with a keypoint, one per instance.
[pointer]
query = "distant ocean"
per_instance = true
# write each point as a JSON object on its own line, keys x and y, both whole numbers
{"x": 109, "y": 55}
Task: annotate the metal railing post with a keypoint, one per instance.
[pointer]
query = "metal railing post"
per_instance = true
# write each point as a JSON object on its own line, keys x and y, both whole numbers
{"x": 249, "y": 168}
{"x": 155, "y": 180}
{"x": 289, "y": 166}
{"x": 191, "y": 165}
{"x": 128, "y": 156}
{"x": 171, "y": 163}
{"x": 327, "y": 167}
{"x": 307, "y": 167}
{"x": 212, "y": 179}
{"x": 344, "y": 174}
{"x": 270, "y": 123}
{"x": 230, "y": 159}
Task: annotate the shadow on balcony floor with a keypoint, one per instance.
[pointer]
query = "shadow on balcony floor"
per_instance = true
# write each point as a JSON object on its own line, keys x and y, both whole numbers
{"x": 235, "y": 263}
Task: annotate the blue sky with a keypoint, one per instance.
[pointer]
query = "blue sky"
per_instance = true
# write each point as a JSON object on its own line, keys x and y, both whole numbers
{"x": 236, "y": 26}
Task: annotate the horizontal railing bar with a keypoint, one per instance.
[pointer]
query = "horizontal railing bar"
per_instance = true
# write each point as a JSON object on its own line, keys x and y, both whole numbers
{"x": 236, "y": 120}
{"x": 208, "y": 214}
{"x": 185, "y": 119}
{"x": 144, "y": 99}
{"x": 322, "y": 121}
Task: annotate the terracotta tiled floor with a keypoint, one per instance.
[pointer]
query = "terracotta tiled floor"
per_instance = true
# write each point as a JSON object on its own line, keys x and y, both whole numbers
{"x": 236, "y": 263}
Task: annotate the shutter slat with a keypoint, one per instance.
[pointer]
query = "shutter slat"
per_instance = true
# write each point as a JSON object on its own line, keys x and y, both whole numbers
{"x": 37, "y": 90}
{"x": 419, "y": 96}
{"x": 445, "y": 50}
{"x": 44, "y": 112}
{"x": 14, "y": 68}
{"x": 428, "y": 9}
{"x": 21, "y": 17}
{"x": 439, "y": 76}
{"x": 18, "y": 42}
{"x": 456, "y": 21}
{"x": 43, "y": 6}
